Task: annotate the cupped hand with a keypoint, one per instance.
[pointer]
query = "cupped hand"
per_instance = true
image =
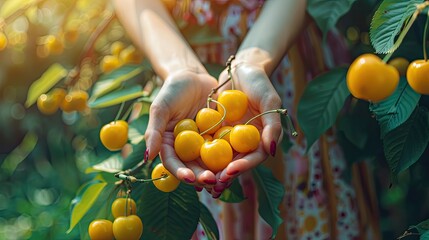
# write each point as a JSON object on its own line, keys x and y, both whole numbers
{"x": 262, "y": 96}
{"x": 182, "y": 95}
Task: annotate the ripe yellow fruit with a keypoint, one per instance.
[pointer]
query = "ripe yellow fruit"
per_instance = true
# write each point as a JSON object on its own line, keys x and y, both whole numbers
{"x": 130, "y": 55}
{"x": 109, "y": 63}
{"x": 3, "y": 41}
{"x": 54, "y": 45}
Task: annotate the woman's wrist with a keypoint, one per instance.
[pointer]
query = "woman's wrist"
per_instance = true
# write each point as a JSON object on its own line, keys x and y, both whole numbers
{"x": 254, "y": 56}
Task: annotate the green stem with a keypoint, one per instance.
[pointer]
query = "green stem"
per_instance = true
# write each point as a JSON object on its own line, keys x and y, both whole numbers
{"x": 214, "y": 90}
{"x": 128, "y": 112}
{"x": 119, "y": 111}
{"x": 220, "y": 121}
{"x": 134, "y": 179}
{"x": 425, "y": 36}
{"x": 281, "y": 111}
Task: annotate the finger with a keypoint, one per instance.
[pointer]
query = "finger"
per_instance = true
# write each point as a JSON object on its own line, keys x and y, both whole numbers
{"x": 158, "y": 119}
{"x": 204, "y": 177}
{"x": 243, "y": 163}
{"x": 173, "y": 164}
{"x": 271, "y": 123}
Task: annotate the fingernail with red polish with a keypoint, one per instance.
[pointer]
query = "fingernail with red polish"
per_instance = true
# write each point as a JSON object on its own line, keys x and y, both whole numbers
{"x": 273, "y": 148}
{"x": 198, "y": 189}
{"x": 216, "y": 195}
{"x": 210, "y": 181}
{"x": 224, "y": 180}
{"x": 146, "y": 155}
{"x": 234, "y": 172}
{"x": 228, "y": 185}
{"x": 188, "y": 180}
{"x": 218, "y": 188}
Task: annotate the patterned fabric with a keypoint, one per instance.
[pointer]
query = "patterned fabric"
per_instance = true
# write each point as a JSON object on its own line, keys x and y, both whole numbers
{"x": 305, "y": 207}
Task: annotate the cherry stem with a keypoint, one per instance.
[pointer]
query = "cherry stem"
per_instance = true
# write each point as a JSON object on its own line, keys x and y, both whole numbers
{"x": 220, "y": 121}
{"x": 228, "y": 65}
{"x": 133, "y": 179}
{"x": 119, "y": 111}
{"x": 281, "y": 111}
{"x": 128, "y": 112}
{"x": 425, "y": 36}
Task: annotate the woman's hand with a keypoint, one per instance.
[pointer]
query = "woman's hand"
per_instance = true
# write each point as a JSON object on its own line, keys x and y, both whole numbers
{"x": 182, "y": 95}
{"x": 262, "y": 97}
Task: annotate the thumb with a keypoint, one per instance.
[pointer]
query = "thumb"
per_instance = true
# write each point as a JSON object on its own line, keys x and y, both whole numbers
{"x": 271, "y": 124}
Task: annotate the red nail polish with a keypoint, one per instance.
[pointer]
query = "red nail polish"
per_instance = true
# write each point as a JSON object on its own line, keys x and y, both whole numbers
{"x": 234, "y": 172}
{"x": 218, "y": 188}
{"x": 210, "y": 181}
{"x": 224, "y": 180}
{"x": 146, "y": 155}
{"x": 273, "y": 148}
{"x": 188, "y": 180}
{"x": 198, "y": 189}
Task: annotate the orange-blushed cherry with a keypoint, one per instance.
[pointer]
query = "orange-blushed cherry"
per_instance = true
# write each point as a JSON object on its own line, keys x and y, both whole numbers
{"x": 114, "y": 135}
{"x": 235, "y": 103}
{"x": 244, "y": 138}
{"x": 75, "y": 101}
{"x": 187, "y": 145}
{"x": 163, "y": 179}
{"x": 185, "y": 124}
{"x": 54, "y": 44}
{"x": 216, "y": 154}
{"x": 207, "y": 137}
{"x": 208, "y": 120}
{"x": 128, "y": 227}
{"x": 47, "y": 104}
{"x": 369, "y": 78}
{"x": 123, "y": 207}
{"x": 100, "y": 229}
{"x": 418, "y": 76}
{"x": 223, "y": 133}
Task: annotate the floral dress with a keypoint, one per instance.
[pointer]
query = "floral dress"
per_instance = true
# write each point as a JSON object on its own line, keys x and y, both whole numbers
{"x": 215, "y": 29}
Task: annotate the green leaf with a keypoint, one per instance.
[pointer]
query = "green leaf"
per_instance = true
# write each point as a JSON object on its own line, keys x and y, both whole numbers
{"x": 388, "y": 21}
{"x": 270, "y": 195}
{"x": 423, "y": 226}
{"x": 113, "y": 164}
{"x": 136, "y": 156}
{"x": 233, "y": 194}
{"x": 137, "y": 128}
{"x": 85, "y": 200}
{"x": 49, "y": 78}
{"x": 321, "y": 102}
{"x": 425, "y": 236}
{"x": 169, "y": 216}
{"x": 404, "y": 145}
{"x": 208, "y": 222}
{"x": 116, "y": 97}
{"x": 395, "y": 110}
{"x": 113, "y": 80}
{"x": 327, "y": 12}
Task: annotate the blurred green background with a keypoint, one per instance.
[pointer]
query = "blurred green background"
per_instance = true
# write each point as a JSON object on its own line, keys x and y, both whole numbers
{"x": 43, "y": 158}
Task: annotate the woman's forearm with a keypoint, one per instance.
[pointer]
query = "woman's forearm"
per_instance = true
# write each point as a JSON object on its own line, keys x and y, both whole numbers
{"x": 153, "y": 30}
{"x": 273, "y": 33}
